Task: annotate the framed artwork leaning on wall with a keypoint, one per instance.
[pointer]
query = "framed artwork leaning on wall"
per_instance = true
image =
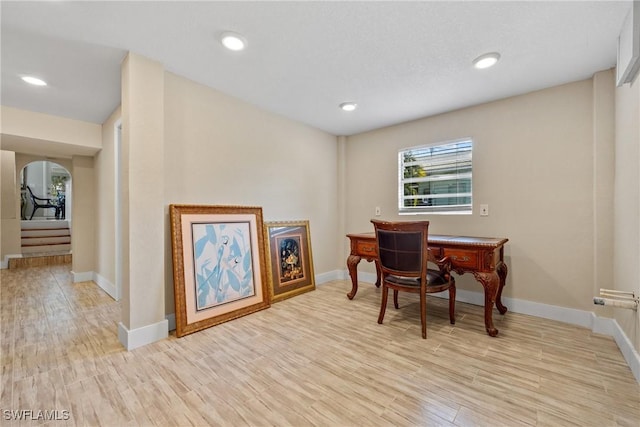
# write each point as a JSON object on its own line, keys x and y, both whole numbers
{"x": 290, "y": 266}
{"x": 219, "y": 269}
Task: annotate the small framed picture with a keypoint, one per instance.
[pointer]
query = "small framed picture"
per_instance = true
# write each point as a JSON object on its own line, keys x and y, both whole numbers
{"x": 219, "y": 269}
{"x": 290, "y": 261}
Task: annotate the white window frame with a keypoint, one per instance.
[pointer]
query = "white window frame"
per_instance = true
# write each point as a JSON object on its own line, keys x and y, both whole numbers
{"x": 464, "y": 179}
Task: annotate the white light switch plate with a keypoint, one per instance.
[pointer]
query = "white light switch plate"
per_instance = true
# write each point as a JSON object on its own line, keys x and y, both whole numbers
{"x": 484, "y": 210}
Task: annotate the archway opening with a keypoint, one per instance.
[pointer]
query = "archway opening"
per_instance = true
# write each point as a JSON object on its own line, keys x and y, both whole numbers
{"x": 45, "y": 208}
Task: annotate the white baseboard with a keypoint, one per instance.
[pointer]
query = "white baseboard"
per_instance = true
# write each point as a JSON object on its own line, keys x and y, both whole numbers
{"x": 4, "y": 264}
{"x": 85, "y": 276}
{"x": 630, "y": 354}
{"x": 329, "y": 276}
{"x": 132, "y": 339}
{"x": 587, "y": 319}
{"x": 105, "y": 285}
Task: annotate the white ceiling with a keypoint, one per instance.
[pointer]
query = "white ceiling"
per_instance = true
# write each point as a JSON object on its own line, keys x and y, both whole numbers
{"x": 398, "y": 60}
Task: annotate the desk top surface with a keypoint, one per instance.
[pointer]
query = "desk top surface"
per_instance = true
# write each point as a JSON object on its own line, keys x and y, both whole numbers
{"x": 448, "y": 240}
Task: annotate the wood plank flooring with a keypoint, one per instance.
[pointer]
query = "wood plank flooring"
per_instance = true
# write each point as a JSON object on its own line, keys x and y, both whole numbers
{"x": 314, "y": 360}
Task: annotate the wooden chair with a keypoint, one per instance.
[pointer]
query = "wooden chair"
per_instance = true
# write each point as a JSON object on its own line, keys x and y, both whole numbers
{"x": 403, "y": 256}
{"x": 38, "y": 204}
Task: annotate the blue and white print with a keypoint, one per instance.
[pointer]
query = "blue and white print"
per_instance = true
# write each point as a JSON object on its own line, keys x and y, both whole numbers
{"x": 222, "y": 263}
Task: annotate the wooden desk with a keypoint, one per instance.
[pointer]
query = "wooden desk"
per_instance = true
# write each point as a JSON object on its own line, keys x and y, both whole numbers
{"x": 481, "y": 256}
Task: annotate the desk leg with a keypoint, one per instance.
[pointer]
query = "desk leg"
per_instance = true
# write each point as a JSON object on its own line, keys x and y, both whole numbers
{"x": 491, "y": 284}
{"x": 352, "y": 266}
{"x": 502, "y": 273}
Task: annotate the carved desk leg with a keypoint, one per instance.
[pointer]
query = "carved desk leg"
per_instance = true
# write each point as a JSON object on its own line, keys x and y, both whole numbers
{"x": 352, "y": 265}
{"x": 502, "y": 273}
{"x": 491, "y": 284}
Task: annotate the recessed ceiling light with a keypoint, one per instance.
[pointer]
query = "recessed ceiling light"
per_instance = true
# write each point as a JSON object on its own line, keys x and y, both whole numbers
{"x": 487, "y": 60}
{"x": 233, "y": 41}
{"x": 34, "y": 81}
{"x": 348, "y": 106}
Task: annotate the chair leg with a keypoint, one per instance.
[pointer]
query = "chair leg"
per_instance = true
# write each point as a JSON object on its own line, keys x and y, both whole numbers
{"x": 383, "y": 304}
{"x": 395, "y": 299}
{"x": 33, "y": 213}
{"x": 452, "y": 304}
{"x": 423, "y": 313}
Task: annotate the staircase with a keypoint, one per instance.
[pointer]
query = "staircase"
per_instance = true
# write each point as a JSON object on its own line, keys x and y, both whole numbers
{"x": 45, "y": 237}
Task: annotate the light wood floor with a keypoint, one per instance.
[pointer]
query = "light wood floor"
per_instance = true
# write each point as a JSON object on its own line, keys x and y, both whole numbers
{"x": 315, "y": 360}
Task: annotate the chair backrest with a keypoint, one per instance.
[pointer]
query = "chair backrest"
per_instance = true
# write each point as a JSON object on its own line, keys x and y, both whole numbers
{"x": 40, "y": 202}
{"x": 402, "y": 247}
{"x": 31, "y": 195}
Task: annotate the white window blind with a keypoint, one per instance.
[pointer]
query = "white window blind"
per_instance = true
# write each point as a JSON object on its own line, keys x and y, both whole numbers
{"x": 436, "y": 178}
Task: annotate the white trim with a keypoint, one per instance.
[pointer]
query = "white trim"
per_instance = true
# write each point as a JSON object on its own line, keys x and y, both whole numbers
{"x": 4, "y": 264}
{"x": 85, "y": 276}
{"x": 602, "y": 325}
{"x": 132, "y": 339}
{"x": 628, "y": 352}
{"x": 586, "y": 319}
{"x": 106, "y": 285}
{"x": 329, "y": 276}
{"x": 567, "y": 315}
{"x": 362, "y": 277}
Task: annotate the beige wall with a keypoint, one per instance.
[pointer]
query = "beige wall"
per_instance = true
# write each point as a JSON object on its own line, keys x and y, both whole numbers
{"x": 8, "y": 181}
{"x": 83, "y": 215}
{"x": 9, "y": 213}
{"x": 52, "y": 130}
{"x": 104, "y": 166}
{"x": 533, "y": 165}
{"x": 143, "y": 103}
{"x": 627, "y": 204}
{"x": 603, "y": 182}
{"x": 222, "y": 151}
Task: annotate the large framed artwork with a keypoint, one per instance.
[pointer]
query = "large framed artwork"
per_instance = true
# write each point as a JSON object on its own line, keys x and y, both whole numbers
{"x": 290, "y": 260}
{"x": 219, "y": 269}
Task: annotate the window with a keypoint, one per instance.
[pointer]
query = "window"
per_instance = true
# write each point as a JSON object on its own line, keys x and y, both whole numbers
{"x": 435, "y": 178}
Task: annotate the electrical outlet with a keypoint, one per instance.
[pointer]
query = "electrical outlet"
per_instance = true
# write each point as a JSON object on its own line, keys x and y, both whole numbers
{"x": 484, "y": 210}
{"x": 377, "y": 210}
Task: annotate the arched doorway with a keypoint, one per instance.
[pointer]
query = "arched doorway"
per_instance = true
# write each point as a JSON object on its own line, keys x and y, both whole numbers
{"x": 45, "y": 208}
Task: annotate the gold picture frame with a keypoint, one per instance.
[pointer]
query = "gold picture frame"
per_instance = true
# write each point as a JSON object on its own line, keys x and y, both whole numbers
{"x": 219, "y": 268}
{"x": 290, "y": 266}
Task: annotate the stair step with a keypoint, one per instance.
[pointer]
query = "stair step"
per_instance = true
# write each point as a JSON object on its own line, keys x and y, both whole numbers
{"x": 65, "y": 247}
{"x": 47, "y": 240}
{"x": 43, "y": 224}
{"x": 49, "y": 232}
{"x": 45, "y": 236}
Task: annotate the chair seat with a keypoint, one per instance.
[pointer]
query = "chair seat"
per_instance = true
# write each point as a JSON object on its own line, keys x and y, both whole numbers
{"x": 434, "y": 278}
